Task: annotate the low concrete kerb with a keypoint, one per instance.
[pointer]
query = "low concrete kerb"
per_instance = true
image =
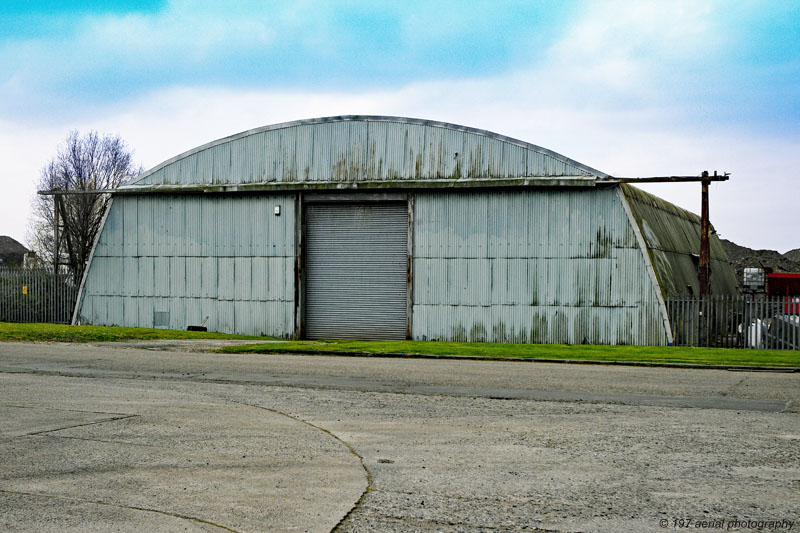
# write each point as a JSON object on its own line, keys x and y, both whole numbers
{"x": 394, "y": 355}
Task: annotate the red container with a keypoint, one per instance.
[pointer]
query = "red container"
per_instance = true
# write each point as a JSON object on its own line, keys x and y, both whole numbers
{"x": 786, "y": 285}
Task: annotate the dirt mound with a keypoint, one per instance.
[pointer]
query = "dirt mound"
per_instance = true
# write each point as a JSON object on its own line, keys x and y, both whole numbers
{"x": 742, "y": 257}
{"x": 793, "y": 255}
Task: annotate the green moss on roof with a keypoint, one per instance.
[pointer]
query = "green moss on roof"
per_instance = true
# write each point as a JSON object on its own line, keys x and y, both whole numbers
{"x": 672, "y": 236}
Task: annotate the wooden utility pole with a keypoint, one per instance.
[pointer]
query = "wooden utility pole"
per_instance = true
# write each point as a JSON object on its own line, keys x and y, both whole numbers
{"x": 703, "y": 275}
{"x": 56, "y": 199}
{"x": 704, "y": 270}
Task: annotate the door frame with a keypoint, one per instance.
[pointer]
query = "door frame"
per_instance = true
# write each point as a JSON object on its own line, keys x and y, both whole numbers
{"x": 301, "y": 201}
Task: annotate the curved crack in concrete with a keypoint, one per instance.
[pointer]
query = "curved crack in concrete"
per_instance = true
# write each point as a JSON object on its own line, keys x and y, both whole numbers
{"x": 119, "y": 506}
{"x": 346, "y": 444}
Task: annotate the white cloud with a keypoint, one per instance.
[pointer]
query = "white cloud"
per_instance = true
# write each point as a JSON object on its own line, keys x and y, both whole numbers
{"x": 748, "y": 209}
{"x": 597, "y": 98}
{"x": 23, "y": 151}
{"x": 181, "y": 28}
{"x": 622, "y": 28}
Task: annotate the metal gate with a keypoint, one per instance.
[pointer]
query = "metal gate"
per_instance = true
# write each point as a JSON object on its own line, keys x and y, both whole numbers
{"x": 356, "y": 271}
{"x": 36, "y": 295}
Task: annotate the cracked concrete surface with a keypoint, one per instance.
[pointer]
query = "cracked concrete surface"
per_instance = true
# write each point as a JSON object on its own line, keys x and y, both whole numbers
{"x": 276, "y": 443}
{"x": 176, "y": 459}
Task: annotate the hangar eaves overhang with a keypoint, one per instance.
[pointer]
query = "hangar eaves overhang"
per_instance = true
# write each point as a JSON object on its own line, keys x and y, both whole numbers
{"x": 328, "y": 186}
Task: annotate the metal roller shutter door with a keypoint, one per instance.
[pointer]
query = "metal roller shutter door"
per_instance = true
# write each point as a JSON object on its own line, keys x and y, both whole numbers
{"x": 356, "y": 271}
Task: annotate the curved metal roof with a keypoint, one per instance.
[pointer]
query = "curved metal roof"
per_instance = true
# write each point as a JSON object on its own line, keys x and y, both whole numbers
{"x": 672, "y": 237}
{"x": 364, "y": 150}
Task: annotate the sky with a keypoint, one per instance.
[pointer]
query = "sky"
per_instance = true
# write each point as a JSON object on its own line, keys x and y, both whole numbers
{"x": 632, "y": 88}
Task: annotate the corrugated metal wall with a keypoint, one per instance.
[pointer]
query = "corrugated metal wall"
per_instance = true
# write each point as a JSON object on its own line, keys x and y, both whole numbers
{"x": 672, "y": 235}
{"x": 170, "y": 261}
{"x": 358, "y": 149}
{"x": 546, "y": 265}
{"x": 538, "y": 265}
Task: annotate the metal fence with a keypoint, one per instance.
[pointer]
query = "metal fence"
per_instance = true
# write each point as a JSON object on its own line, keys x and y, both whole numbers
{"x": 757, "y": 322}
{"x": 36, "y": 295}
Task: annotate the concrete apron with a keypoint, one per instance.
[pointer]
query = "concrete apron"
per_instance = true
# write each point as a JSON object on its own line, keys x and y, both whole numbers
{"x": 79, "y": 455}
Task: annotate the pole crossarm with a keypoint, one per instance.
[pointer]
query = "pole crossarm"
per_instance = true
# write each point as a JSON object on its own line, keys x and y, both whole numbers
{"x": 705, "y": 178}
{"x": 668, "y": 179}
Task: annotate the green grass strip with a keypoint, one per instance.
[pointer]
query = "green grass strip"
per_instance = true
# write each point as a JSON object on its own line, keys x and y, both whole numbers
{"x": 64, "y": 333}
{"x": 640, "y": 354}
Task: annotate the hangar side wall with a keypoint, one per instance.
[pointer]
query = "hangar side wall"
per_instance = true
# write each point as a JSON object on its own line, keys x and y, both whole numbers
{"x": 170, "y": 261}
{"x": 539, "y": 266}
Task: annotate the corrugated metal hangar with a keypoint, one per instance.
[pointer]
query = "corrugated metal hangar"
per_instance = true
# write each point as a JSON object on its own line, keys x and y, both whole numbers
{"x": 392, "y": 228}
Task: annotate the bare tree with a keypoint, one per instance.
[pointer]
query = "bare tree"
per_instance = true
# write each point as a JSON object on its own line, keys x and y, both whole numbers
{"x": 83, "y": 163}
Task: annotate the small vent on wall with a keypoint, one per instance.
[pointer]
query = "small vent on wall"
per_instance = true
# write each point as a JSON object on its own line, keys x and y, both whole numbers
{"x": 160, "y": 319}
